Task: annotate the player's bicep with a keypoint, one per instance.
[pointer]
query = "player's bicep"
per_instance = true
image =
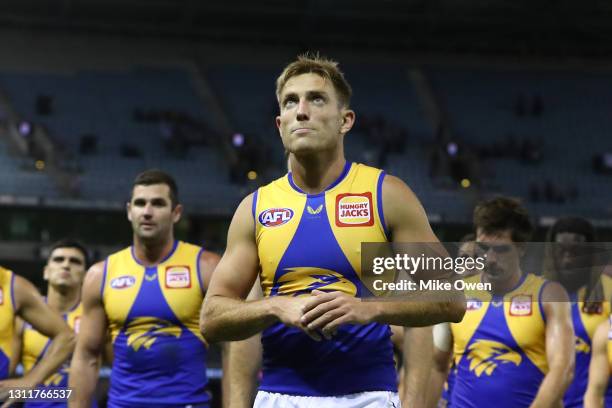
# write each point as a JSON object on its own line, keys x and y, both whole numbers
{"x": 559, "y": 326}
{"x": 92, "y": 333}
{"x": 32, "y": 309}
{"x": 237, "y": 270}
{"x": 16, "y": 346}
{"x": 405, "y": 216}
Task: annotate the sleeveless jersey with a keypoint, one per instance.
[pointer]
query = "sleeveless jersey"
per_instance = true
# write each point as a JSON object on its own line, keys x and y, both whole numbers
{"x": 584, "y": 328}
{"x": 500, "y": 347}
{"x": 7, "y": 316}
{"x": 313, "y": 241}
{"x": 34, "y": 347}
{"x": 153, "y": 316}
{"x": 609, "y": 348}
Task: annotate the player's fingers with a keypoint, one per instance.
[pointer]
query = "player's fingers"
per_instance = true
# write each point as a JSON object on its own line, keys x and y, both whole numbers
{"x": 331, "y": 328}
{"x": 319, "y": 310}
{"x": 323, "y": 320}
{"x": 315, "y": 301}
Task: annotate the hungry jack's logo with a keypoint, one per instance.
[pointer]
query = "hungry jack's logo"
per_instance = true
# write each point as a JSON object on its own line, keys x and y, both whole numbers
{"x": 354, "y": 210}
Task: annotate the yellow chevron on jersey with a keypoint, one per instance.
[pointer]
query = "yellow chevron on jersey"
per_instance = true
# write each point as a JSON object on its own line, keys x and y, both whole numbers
{"x": 352, "y": 210}
{"x": 313, "y": 241}
{"x": 178, "y": 280}
{"x": 153, "y": 314}
{"x": 500, "y": 345}
{"x": 34, "y": 346}
{"x": 523, "y": 319}
{"x": 590, "y": 321}
{"x": 7, "y": 316}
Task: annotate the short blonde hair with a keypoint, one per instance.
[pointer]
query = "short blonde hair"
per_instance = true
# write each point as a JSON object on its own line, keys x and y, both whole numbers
{"x": 324, "y": 67}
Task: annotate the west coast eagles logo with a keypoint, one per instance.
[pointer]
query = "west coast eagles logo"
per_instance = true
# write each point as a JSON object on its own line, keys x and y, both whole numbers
{"x": 303, "y": 280}
{"x": 486, "y": 355}
{"x": 582, "y": 346}
{"x": 143, "y": 331}
{"x": 58, "y": 378}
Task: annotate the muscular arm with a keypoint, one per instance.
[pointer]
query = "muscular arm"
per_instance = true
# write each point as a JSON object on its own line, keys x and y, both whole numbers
{"x": 31, "y": 308}
{"x": 225, "y": 315}
{"x": 417, "y": 350}
{"x": 599, "y": 369}
{"x": 242, "y": 365}
{"x": 560, "y": 352}
{"x": 17, "y": 346}
{"x": 91, "y": 340}
{"x": 407, "y": 222}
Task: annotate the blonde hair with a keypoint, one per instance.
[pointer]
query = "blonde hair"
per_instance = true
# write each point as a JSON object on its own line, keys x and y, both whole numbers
{"x": 313, "y": 63}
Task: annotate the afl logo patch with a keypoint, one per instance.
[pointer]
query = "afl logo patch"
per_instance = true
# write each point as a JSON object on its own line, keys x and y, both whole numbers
{"x": 123, "y": 282}
{"x": 473, "y": 304}
{"x": 178, "y": 277}
{"x": 1, "y": 297}
{"x": 275, "y": 217}
{"x": 77, "y": 325}
{"x": 354, "y": 210}
{"x": 520, "y": 305}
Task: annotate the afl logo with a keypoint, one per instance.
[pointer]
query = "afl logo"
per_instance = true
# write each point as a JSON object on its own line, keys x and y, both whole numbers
{"x": 275, "y": 217}
{"x": 123, "y": 282}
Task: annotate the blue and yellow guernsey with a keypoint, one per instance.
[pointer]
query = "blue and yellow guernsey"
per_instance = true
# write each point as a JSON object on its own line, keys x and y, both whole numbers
{"x": 7, "y": 320}
{"x": 500, "y": 347}
{"x": 34, "y": 347}
{"x": 153, "y": 316}
{"x": 585, "y": 325}
{"x": 313, "y": 241}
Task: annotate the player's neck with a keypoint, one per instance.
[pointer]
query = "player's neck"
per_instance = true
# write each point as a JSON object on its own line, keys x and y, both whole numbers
{"x": 63, "y": 299}
{"x": 500, "y": 288}
{"x": 152, "y": 253}
{"x": 314, "y": 173}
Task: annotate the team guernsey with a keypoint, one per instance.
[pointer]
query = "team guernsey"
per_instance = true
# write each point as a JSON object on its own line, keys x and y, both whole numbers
{"x": 313, "y": 241}
{"x": 585, "y": 325}
{"x": 34, "y": 347}
{"x": 500, "y": 347}
{"x": 153, "y": 315}
{"x": 7, "y": 315}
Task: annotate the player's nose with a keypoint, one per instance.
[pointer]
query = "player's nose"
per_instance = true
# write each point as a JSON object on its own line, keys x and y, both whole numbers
{"x": 303, "y": 110}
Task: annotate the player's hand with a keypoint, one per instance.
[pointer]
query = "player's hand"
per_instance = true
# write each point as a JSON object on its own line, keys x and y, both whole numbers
{"x": 326, "y": 311}
{"x": 289, "y": 311}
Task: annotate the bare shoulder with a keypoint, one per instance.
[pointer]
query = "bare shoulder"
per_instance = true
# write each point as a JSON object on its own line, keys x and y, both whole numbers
{"x": 209, "y": 258}
{"x": 24, "y": 291}
{"x": 554, "y": 292}
{"x": 92, "y": 284}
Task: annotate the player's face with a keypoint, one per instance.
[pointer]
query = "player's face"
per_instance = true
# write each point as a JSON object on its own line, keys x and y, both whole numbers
{"x": 151, "y": 214}
{"x": 65, "y": 267}
{"x": 571, "y": 256}
{"x": 311, "y": 119}
{"x": 502, "y": 257}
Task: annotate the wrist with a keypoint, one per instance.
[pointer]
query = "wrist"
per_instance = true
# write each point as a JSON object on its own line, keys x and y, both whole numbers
{"x": 274, "y": 307}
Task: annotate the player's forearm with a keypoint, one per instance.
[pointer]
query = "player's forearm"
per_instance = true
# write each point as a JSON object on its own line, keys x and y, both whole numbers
{"x": 59, "y": 351}
{"x": 242, "y": 360}
{"x": 84, "y": 372}
{"x": 418, "y": 348}
{"x": 594, "y": 397}
{"x": 418, "y": 314}
{"x": 227, "y": 319}
{"x": 552, "y": 389}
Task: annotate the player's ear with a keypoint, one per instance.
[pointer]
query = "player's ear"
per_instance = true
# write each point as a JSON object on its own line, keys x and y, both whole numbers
{"x": 177, "y": 212}
{"x": 128, "y": 207}
{"x": 46, "y": 272}
{"x": 348, "y": 120}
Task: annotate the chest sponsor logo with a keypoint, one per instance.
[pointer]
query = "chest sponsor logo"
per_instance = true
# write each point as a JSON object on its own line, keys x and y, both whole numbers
{"x": 354, "y": 210}
{"x": 520, "y": 305}
{"x": 77, "y": 325}
{"x": 178, "y": 277}
{"x": 123, "y": 282}
{"x": 473, "y": 304}
{"x": 1, "y": 297}
{"x": 275, "y": 217}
